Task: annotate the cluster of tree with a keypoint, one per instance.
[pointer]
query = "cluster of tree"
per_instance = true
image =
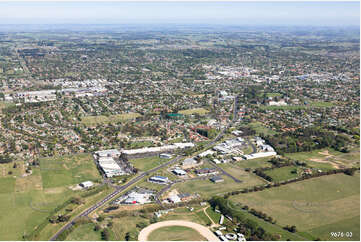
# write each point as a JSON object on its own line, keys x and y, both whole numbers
{"x": 59, "y": 219}
{"x": 77, "y": 200}
{"x": 62, "y": 236}
{"x": 260, "y": 172}
{"x": 131, "y": 236}
{"x": 249, "y": 228}
{"x": 307, "y": 139}
{"x": 110, "y": 208}
{"x": 246, "y": 131}
{"x": 209, "y": 133}
{"x": 292, "y": 228}
{"x": 260, "y": 215}
{"x": 105, "y": 234}
{"x": 5, "y": 159}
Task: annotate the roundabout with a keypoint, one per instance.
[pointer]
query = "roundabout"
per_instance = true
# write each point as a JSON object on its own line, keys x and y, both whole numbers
{"x": 202, "y": 230}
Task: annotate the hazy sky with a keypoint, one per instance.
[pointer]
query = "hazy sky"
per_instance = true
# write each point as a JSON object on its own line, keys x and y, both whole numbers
{"x": 237, "y": 13}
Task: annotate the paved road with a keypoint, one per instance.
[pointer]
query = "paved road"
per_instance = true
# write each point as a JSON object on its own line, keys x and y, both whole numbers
{"x": 253, "y": 147}
{"x": 113, "y": 194}
{"x": 202, "y": 230}
{"x": 224, "y": 172}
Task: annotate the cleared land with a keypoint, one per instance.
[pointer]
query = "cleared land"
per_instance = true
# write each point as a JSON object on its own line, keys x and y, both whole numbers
{"x": 328, "y": 158}
{"x": 101, "y": 119}
{"x": 310, "y": 204}
{"x": 175, "y": 233}
{"x": 67, "y": 170}
{"x": 200, "y": 111}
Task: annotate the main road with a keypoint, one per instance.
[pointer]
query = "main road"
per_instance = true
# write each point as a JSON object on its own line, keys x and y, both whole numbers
{"x": 112, "y": 195}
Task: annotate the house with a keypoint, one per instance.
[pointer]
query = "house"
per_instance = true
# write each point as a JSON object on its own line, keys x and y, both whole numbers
{"x": 86, "y": 184}
{"x": 179, "y": 172}
{"x": 159, "y": 179}
{"x": 217, "y": 179}
{"x": 206, "y": 171}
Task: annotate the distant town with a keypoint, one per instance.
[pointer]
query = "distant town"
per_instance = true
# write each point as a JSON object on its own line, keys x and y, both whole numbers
{"x": 198, "y": 133}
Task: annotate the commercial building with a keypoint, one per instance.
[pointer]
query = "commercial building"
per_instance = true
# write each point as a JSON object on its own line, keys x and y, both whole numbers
{"x": 86, "y": 184}
{"x": 110, "y": 167}
{"x": 157, "y": 149}
{"x": 108, "y": 153}
{"x": 259, "y": 155}
{"x": 217, "y": 179}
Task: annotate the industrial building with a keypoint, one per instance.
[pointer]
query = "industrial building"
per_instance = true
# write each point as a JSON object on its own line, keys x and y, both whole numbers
{"x": 217, "y": 179}
{"x": 109, "y": 166}
{"x": 259, "y": 155}
{"x": 179, "y": 172}
{"x": 159, "y": 179}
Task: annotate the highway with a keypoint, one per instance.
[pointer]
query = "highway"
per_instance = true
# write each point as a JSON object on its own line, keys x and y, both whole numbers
{"x": 112, "y": 195}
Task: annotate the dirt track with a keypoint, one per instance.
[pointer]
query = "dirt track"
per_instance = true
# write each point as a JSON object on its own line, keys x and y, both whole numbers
{"x": 202, "y": 230}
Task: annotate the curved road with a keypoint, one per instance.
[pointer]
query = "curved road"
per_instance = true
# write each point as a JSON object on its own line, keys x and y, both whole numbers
{"x": 202, "y": 230}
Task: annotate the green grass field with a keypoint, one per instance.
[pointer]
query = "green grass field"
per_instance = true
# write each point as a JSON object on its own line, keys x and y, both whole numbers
{"x": 7, "y": 185}
{"x": 147, "y": 163}
{"x": 254, "y": 163}
{"x": 67, "y": 170}
{"x": 175, "y": 233}
{"x": 310, "y": 204}
{"x": 101, "y": 119}
{"x": 282, "y": 174}
{"x": 200, "y": 111}
{"x": 84, "y": 232}
{"x": 21, "y": 211}
{"x": 261, "y": 129}
{"x": 26, "y": 201}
